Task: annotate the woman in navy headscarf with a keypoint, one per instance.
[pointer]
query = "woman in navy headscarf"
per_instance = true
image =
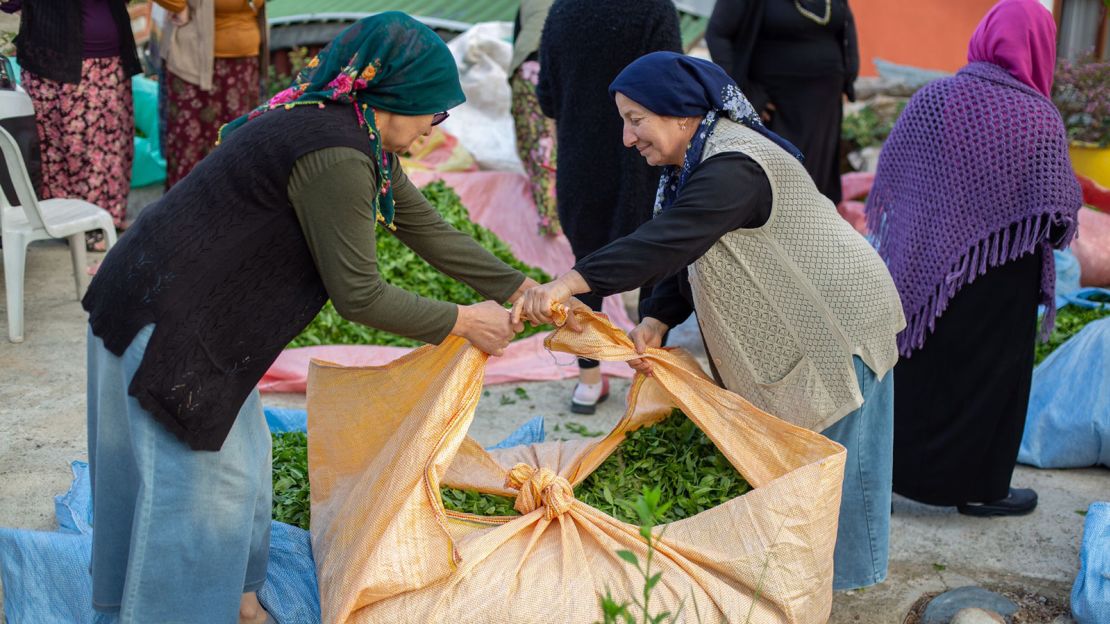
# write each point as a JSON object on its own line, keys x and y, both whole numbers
{"x": 798, "y": 313}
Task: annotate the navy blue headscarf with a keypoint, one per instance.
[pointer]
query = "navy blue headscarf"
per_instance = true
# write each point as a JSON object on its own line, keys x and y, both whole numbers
{"x": 676, "y": 85}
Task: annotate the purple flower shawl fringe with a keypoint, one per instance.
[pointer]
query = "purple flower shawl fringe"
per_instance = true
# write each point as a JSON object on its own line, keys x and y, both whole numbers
{"x": 975, "y": 174}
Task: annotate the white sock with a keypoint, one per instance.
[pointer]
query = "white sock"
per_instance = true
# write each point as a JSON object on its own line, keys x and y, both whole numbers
{"x": 588, "y": 394}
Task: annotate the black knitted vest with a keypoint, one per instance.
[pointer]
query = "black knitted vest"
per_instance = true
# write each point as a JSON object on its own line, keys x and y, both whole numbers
{"x": 221, "y": 266}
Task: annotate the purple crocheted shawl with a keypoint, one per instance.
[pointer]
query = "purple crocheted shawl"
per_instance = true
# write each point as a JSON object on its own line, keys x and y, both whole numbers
{"x": 975, "y": 174}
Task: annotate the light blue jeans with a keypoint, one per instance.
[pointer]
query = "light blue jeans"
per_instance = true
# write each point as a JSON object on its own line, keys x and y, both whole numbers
{"x": 863, "y": 538}
{"x": 178, "y": 535}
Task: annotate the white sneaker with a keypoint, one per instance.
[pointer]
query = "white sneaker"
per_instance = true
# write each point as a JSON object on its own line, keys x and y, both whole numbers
{"x": 587, "y": 396}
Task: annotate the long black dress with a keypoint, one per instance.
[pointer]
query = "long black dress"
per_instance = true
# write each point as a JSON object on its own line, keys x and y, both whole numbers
{"x": 960, "y": 400}
{"x": 605, "y": 190}
{"x": 777, "y": 55}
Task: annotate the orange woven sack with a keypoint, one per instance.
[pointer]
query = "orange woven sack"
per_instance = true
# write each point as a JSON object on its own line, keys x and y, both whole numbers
{"x": 384, "y": 439}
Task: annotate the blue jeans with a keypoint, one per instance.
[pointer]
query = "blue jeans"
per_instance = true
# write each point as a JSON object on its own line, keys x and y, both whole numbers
{"x": 178, "y": 535}
{"x": 863, "y": 538}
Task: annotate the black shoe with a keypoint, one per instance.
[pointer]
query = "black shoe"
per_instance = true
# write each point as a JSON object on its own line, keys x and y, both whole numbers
{"x": 1020, "y": 502}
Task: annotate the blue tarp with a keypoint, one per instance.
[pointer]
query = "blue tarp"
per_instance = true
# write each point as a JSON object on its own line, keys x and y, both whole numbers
{"x": 1090, "y": 596}
{"x": 1068, "y": 422}
{"x": 45, "y": 574}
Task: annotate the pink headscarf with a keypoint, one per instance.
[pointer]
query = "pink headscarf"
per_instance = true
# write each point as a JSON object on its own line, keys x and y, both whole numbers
{"x": 1020, "y": 36}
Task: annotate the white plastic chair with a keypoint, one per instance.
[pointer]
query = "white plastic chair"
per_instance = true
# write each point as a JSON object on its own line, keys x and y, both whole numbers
{"x": 33, "y": 220}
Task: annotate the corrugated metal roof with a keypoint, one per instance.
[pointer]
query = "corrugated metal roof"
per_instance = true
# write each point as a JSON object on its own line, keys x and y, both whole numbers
{"x": 442, "y": 14}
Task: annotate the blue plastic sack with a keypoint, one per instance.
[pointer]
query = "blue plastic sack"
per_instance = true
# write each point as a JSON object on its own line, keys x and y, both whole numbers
{"x": 1067, "y": 275}
{"x": 45, "y": 574}
{"x": 148, "y": 166}
{"x": 1090, "y": 596}
{"x": 1068, "y": 422}
{"x": 282, "y": 420}
{"x": 1088, "y": 298}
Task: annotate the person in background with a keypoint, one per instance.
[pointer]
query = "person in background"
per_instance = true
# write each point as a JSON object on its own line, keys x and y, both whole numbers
{"x": 535, "y": 133}
{"x": 794, "y": 59}
{"x": 798, "y": 313}
{"x": 216, "y": 53}
{"x": 77, "y": 58}
{"x": 214, "y": 279}
{"x": 973, "y": 191}
{"x": 604, "y": 189}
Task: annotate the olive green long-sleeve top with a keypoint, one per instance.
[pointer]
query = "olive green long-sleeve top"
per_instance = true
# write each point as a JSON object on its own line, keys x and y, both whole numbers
{"x": 332, "y": 192}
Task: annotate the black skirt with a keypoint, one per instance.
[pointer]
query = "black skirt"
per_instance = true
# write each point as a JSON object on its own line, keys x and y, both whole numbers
{"x": 960, "y": 401}
{"x": 808, "y": 112}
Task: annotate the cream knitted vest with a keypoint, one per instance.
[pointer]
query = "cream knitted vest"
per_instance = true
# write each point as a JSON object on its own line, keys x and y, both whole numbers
{"x": 785, "y": 306}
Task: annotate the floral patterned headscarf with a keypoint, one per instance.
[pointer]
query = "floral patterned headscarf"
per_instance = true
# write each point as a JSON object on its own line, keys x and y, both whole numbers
{"x": 676, "y": 85}
{"x": 388, "y": 62}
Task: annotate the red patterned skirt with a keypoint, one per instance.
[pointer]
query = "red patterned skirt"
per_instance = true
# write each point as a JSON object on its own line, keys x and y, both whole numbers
{"x": 86, "y": 132}
{"x": 193, "y": 117}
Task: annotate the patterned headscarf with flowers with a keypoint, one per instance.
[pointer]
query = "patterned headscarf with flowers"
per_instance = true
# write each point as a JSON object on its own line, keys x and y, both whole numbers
{"x": 388, "y": 62}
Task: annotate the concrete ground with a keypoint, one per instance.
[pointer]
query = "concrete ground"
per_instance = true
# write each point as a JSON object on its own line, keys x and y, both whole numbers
{"x": 42, "y": 429}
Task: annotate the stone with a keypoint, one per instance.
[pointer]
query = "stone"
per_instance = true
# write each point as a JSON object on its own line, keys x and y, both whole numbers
{"x": 977, "y": 616}
{"x": 943, "y": 608}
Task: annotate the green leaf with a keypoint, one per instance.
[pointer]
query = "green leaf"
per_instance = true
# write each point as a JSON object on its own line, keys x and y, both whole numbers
{"x": 629, "y": 556}
{"x": 582, "y": 430}
{"x": 940, "y": 567}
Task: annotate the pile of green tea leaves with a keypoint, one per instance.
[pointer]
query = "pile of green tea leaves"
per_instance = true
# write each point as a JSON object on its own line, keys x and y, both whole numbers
{"x": 673, "y": 455}
{"x": 1070, "y": 320}
{"x": 402, "y": 267}
{"x": 290, "y": 473}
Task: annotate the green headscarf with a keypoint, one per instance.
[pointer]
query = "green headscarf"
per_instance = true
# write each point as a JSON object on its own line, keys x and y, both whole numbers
{"x": 388, "y": 62}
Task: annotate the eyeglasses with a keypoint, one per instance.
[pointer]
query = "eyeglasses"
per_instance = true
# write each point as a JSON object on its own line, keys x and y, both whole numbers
{"x": 439, "y": 118}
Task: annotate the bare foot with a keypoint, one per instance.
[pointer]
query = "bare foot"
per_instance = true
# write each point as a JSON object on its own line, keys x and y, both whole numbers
{"x": 251, "y": 611}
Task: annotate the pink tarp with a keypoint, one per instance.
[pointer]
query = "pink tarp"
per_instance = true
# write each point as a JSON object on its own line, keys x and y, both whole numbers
{"x": 1092, "y": 248}
{"x": 501, "y": 202}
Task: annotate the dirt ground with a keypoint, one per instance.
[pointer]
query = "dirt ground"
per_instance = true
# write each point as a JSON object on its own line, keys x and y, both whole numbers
{"x": 42, "y": 429}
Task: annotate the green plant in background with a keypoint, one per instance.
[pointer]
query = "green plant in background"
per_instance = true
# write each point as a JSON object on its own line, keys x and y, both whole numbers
{"x": 649, "y": 513}
{"x": 275, "y": 82}
{"x": 290, "y": 478}
{"x": 674, "y": 456}
{"x": 1070, "y": 320}
{"x": 403, "y": 268}
{"x": 1082, "y": 93}
{"x": 477, "y": 503}
{"x": 867, "y": 127}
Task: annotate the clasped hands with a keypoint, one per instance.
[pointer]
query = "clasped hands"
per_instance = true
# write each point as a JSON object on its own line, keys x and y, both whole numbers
{"x": 490, "y": 327}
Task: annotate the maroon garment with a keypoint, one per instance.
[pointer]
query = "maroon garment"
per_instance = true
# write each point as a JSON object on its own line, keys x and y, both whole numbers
{"x": 101, "y": 37}
{"x": 194, "y": 116}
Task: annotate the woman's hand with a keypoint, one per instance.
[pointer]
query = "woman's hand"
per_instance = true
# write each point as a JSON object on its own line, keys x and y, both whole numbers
{"x": 182, "y": 18}
{"x": 486, "y": 325}
{"x": 647, "y": 335}
{"x": 537, "y": 304}
{"x": 768, "y": 112}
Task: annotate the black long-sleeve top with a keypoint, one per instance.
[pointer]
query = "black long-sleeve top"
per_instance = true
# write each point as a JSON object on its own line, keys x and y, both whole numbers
{"x": 725, "y": 192}
{"x": 760, "y": 40}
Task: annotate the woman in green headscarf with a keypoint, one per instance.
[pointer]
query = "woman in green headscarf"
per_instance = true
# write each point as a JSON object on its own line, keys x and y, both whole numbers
{"x": 196, "y": 301}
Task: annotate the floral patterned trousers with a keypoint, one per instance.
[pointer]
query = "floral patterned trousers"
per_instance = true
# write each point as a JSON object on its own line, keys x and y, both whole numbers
{"x": 193, "y": 117}
{"x": 535, "y": 142}
{"x": 86, "y": 133}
